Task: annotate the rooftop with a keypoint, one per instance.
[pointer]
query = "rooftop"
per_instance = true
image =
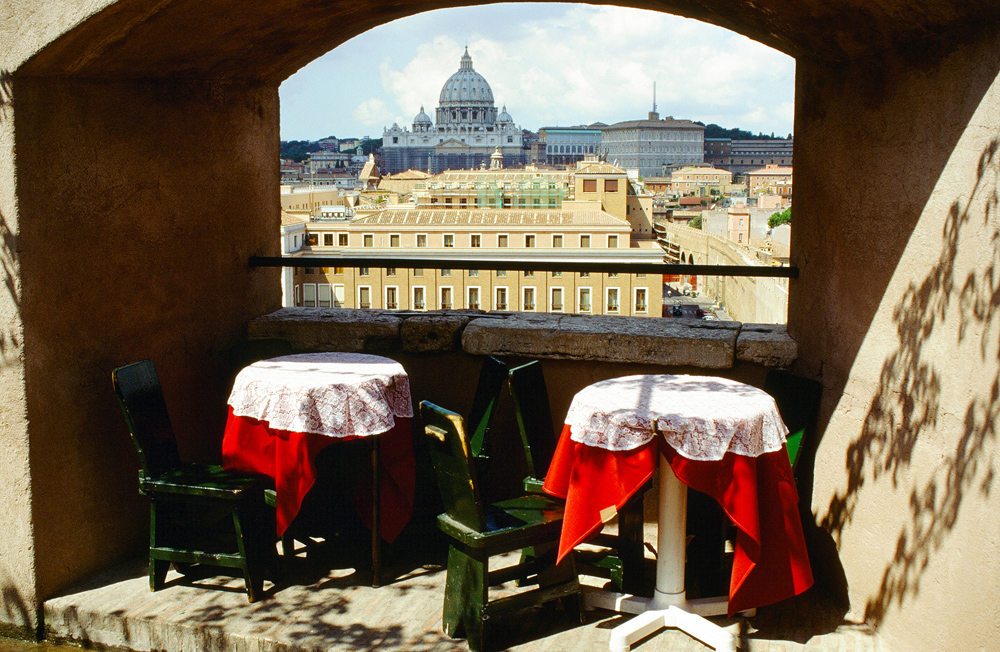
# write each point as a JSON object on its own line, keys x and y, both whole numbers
{"x": 492, "y": 217}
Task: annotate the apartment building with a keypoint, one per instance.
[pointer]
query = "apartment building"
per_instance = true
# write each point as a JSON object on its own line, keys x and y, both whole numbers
{"x": 492, "y": 236}
{"x": 771, "y": 180}
{"x": 651, "y": 146}
{"x": 701, "y": 181}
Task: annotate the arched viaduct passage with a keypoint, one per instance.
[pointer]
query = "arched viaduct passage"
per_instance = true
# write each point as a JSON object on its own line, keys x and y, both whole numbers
{"x": 139, "y": 172}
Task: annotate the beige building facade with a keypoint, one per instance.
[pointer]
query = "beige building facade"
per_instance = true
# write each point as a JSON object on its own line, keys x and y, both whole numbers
{"x": 701, "y": 181}
{"x": 771, "y": 180}
{"x": 493, "y": 236}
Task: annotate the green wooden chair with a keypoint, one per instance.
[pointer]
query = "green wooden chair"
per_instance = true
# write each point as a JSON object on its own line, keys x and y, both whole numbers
{"x": 798, "y": 400}
{"x": 492, "y": 376}
{"x": 478, "y": 532}
{"x": 199, "y": 513}
{"x": 623, "y": 557}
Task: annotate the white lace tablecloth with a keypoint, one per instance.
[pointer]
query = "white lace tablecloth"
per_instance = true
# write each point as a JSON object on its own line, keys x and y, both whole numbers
{"x": 333, "y": 394}
{"x": 701, "y": 417}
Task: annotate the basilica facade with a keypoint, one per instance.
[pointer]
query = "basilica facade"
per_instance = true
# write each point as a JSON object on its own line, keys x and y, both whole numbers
{"x": 466, "y": 131}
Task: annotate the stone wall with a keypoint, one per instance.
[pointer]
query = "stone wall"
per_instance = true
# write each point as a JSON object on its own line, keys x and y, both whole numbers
{"x": 751, "y": 299}
{"x": 896, "y": 309}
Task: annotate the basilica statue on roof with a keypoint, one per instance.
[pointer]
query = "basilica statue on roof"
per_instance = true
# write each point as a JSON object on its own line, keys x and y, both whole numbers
{"x": 466, "y": 131}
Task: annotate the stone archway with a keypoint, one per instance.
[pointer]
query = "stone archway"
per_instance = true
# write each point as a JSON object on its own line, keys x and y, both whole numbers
{"x": 138, "y": 173}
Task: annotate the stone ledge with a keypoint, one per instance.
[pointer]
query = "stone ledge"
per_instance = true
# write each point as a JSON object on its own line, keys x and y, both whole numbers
{"x": 668, "y": 342}
{"x": 340, "y": 329}
{"x": 768, "y": 345}
{"x": 674, "y": 342}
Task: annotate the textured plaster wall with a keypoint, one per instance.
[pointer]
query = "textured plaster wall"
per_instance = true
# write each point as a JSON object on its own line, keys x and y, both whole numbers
{"x": 898, "y": 309}
{"x": 18, "y": 600}
{"x": 139, "y": 206}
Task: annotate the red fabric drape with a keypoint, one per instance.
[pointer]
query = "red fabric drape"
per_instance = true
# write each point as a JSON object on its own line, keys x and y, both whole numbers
{"x": 758, "y": 494}
{"x": 250, "y": 446}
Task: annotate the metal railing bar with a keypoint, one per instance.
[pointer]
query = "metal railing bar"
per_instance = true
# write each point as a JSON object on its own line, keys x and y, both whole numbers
{"x": 524, "y": 266}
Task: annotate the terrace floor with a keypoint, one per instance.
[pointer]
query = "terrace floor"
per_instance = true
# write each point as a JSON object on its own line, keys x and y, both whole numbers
{"x": 325, "y": 603}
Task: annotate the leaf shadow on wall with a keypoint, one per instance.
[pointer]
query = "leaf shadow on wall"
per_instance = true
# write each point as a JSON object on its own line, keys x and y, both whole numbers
{"x": 908, "y": 402}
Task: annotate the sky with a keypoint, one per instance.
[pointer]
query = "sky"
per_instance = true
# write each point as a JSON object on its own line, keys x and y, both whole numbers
{"x": 551, "y": 65}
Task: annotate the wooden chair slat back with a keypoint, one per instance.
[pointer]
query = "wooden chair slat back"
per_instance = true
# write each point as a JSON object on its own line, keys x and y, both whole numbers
{"x": 530, "y": 398}
{"x": 484, "y": 405}
{"x": 798, "y": 400}
{"x": 141, "y": 398}
{"x": 456, "y": 475}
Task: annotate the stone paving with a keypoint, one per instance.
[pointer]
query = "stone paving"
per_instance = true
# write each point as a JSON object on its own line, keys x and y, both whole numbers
{"x": 325, "y": 603}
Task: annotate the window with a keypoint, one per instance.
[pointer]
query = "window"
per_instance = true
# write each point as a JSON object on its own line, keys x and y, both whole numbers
{"x": 473, "y": 272}
{"x": 612, "y": 300}
{"x": 612, "y": 242}
{"x": 391, "y": 293}
{"x": 475, "y": 240}
{"x": 323, "y": 295}
{"x": 500, "y": 302}
{"x": 312, "y": 239}
{"x": 342, "y": 239}
{"x": 445, "y": 272}
{"x": 419, "y": 302}
{"x": 338, "y": 296}
{"x": 298, "y": 298}
{"x": 369, "y": 240}
{"x": 590, "y": 185}
{"x": 528, "y": 299}
{"x": 501, "y": 272}
{"x": 473, "y": 298}
{"x": 327, "y": 239}
{"x": 364, "y": 271}
{"x": 418, "y": 271}
{"x": 529, "y": 241}
{"x": 364, "y": 296}
{"x": 529, "y": 274}
{"x": 556, "y": 301}
{"x": 585, "y": 241}
{"x": 640, "y": 300}
{"x": 584, "y": 300}
{"x": 394, "y": 240}
{"x": 502, "y": 240}
{"x": 449, "y": 239}
{"x": 421, "y": 239}
{"x": 556, "y": 274}
{"x": 557, "y": 241}
{"x": 584, "y": 274}
{"x": 390, "y": 271}
{"x": 446, "y": 298}
{"x": 309, "y": 295}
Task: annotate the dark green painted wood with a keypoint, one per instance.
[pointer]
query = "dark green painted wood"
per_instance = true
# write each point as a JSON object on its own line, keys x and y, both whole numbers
{"x": 798, "y": 399}
{"x": 191, "y": 505}
{"x": 624, "y": 555}
{"x": 478, "y": 532}
{"x": 492, "y": 376}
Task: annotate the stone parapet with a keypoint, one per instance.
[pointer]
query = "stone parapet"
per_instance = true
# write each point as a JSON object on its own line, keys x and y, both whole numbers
{"x": 669, "y": 342}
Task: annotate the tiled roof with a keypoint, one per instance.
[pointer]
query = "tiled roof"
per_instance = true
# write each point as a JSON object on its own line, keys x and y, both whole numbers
{"x": 289, "y": 219}
{"x": 486, "y": 217}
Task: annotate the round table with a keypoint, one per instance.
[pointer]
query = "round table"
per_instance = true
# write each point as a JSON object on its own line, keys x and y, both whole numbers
{"x": 714, "y": 434}
{"x": 283, "y": 411}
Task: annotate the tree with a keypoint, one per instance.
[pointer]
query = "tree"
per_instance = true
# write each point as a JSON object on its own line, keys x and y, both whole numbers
{"x": 695, "y": 223}
{"x": 779, "y": 218}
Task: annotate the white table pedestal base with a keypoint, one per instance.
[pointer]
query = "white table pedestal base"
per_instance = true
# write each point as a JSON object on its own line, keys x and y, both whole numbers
{"x": 669, "y": 606}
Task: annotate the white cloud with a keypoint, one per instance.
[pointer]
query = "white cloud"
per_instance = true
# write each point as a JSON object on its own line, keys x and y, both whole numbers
{"x": 563, "y": 65}
{"x": 373, "y": 112}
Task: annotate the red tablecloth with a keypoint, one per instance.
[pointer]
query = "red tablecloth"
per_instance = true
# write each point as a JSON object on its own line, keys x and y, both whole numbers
{"x": 250, "y": 446}
{"x": 757, "y": 493}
